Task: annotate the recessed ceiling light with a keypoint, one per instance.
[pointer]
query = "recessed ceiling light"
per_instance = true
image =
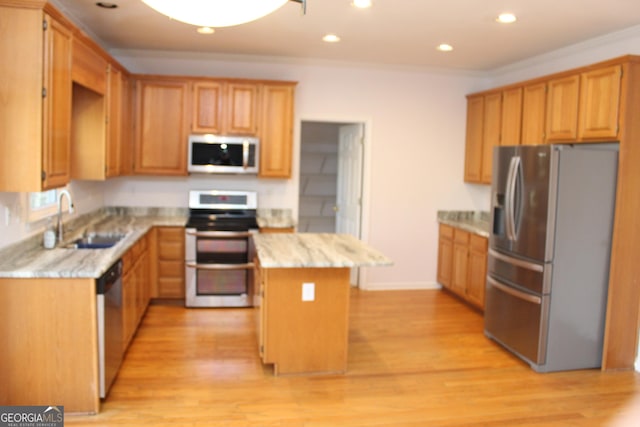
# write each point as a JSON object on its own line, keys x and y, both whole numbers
{"x": 331, "y": 38}
{"x": 445, "y": 47}
{"x": 506, "y": 18}
{"x": 206, "y": 30}
{"x": 362, "y": 4}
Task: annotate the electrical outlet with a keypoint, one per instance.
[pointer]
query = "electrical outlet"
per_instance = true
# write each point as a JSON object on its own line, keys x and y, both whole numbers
{"x": 308, "y": 291}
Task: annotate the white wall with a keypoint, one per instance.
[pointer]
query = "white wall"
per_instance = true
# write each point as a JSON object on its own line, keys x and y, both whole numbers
{"x": 415, "y": 152}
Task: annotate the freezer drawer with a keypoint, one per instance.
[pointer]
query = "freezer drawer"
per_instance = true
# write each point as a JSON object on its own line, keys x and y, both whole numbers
{"x": 516, "y": 320}
{"x": 530, "y": 276}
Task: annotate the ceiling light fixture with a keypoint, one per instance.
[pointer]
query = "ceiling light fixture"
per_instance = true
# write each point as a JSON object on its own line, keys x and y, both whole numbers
{"x": 506, "y": 18}
{"x": 331, "y": 38}
{"x": 217, "y": 13}
{"x": 362, "y": 4}
{"x": 206, "y": 30}
{"x": 106, "y": 5}
{"x": 444, "y": 47}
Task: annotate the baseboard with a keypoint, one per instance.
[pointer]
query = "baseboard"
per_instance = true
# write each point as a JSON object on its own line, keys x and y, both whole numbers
{"x": 400, "y": 286}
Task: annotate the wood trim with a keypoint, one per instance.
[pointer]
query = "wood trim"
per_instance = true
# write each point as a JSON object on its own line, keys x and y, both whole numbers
{"x": 23, "y": 4}
{"x": 166, "y": 77}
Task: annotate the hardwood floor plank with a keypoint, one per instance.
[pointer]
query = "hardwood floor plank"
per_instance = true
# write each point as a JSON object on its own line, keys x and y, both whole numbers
{"x": 416, "y": 358}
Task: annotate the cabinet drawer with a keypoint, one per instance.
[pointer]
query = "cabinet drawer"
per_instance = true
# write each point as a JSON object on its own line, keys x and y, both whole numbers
{"x": 174, "y": 234}
{"x": 171, "y": 251}
{"x": 446, "y": 231}
{"x": 478, "y": 243}
{"x": 460, "y": 236}
{"x": 171, "y": 269}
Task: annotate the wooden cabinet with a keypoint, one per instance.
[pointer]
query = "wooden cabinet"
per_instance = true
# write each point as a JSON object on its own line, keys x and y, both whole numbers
{"x": 484, "y": 117}
{"x": 277, "y": 229}
{"x": 276, "y": 130}
{"x": 160, "y": 144}
{"x": 170, "y": 262}
{"x": 115, "y": 121}
{"x": 445, "y": 255}
{"x": 534, "y": 107}
{"x": 477, "y": 270}
{"x": 511, "y": 121}
{"x": 600, "y": 103}
{"x": 299, "y": 336}
{"x": 225, "y": 107}
{"x": 35, "y": 111}
{"x": 207, "y": 107}
{"x": 89, "y": 68}
{"x": 473, "y": 150}
{"x": 562, "y": 108}
{"x": 462, "y": 263}
{"x": 135, "y": 288}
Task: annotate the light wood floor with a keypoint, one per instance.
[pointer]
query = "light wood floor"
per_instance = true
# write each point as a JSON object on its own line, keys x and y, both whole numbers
{"x": 416, "y": 358}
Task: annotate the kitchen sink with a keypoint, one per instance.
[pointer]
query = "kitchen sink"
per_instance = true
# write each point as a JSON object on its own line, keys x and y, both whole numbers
{"x": 95, "y": 241}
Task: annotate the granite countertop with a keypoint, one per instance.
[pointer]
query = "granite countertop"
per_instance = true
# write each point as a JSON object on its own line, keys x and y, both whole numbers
{"x": 296, "y": 250}
{"x": 275, "y": 218}
{"x": 29, "y": 259}
{"x": 473, "y": 221}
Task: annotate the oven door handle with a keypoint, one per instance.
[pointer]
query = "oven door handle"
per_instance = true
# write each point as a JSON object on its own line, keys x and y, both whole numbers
{"x": 219, "y": 233}
{"x": 245, "y": 266}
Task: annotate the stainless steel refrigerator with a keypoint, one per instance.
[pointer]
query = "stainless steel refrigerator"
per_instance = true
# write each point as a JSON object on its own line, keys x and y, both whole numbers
{"x": 552, "y": 211}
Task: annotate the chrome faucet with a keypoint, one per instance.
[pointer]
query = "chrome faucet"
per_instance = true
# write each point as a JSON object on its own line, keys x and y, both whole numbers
{"x": 60, "y": 194}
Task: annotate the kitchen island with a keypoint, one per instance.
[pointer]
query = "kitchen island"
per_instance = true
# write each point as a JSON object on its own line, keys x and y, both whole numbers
{"x": 303, "y": 291}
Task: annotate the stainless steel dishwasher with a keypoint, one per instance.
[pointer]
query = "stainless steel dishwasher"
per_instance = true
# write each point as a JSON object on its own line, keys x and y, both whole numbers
{"x": 109, "y": 310}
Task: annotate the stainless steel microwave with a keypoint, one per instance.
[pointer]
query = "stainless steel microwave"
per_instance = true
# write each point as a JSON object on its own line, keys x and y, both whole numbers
{"x": 223, "y": 154}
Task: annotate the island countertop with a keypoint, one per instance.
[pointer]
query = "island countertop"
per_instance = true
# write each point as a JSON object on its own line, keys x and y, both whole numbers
{"x": 300, "y": 250}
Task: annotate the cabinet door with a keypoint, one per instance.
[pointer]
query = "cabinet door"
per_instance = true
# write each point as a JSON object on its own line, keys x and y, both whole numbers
{"x": 171, "y": 269}
{"x": 534, "y": 107}
{"x": 57, "y": 105}
{"x": 477, "y": 270}
{"x": 460, "y": 261}
{"x": 207, "y": 102}
{"x": 511, "y": 116}
{"x": 161, "y": 132}
{"x": 490, "y": 133}
{"x": 114, "y": 121}
{"x": 473, "y": 148}
{"x": 562, "y": 109}
{"x": 445, "y": 255}
{"x": 600, "y": 103}
{"x": 276, "y": 131}
{"x": 241, "y": 112}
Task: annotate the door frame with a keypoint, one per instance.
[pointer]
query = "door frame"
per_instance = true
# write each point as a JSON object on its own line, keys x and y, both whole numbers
{"x": 366, "y": 172}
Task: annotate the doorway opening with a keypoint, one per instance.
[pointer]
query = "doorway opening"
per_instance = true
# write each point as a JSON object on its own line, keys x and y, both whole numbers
{"x": 331, "y": 178}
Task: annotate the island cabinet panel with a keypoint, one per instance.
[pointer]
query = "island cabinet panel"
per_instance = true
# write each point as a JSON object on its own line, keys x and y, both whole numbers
{"x": 302, "y": 337}
{"x": 600, "y": 103}
{"x": 50, "y": 343}
{"x": 534, "y": 107}
{"x": 161, "y": 127}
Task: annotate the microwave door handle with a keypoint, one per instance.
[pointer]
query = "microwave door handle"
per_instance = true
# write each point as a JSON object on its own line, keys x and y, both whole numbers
{"x": 245, "y": 154}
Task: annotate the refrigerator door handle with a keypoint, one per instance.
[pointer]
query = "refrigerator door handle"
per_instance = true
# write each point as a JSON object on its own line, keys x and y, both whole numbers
{"x": 517, "y": 262}
{"x": 512, "y": 176}
{"x": 514, "y": 292}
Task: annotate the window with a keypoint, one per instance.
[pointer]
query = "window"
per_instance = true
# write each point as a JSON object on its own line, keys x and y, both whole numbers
{"x": 42, "y": 205}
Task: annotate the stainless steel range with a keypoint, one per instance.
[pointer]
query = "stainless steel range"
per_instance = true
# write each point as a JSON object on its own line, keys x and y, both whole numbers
{"x": 219, "y": 249}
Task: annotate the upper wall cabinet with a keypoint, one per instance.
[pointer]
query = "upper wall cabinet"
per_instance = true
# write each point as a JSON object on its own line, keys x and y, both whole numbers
{"x": 89, "y": 68}
{"x": 484, "y": 118}
{"x": 562, "y": 108}
{"x": 35, "y": 112}
{"x": 600, "y": 103}
{"x": 511, "y": 126}
{"x": 534, "y": 107}
{"x": 161, "y": 130}
{"x": 276, "y": 130}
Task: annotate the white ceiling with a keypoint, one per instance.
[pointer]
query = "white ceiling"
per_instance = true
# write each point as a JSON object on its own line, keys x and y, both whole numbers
{"x": 392, "y": 32}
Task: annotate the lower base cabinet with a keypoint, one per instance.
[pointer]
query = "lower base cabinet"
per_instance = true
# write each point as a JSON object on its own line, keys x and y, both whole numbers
{"x": 135, "y": 288}
{"x": 168, "y": 270}
{"x": 462, "y": 263}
